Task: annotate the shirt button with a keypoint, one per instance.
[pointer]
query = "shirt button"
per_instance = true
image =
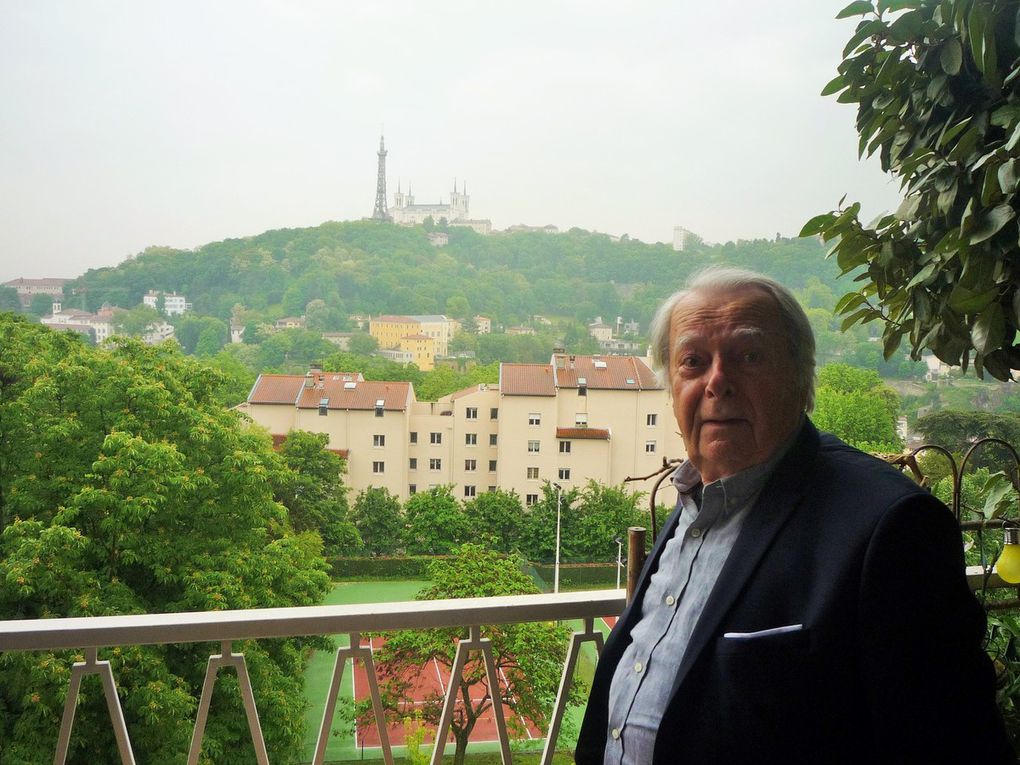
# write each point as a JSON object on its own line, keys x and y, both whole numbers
{"x": 615, "y": 732}
{"x": 637, "y": 666}
{"x": 670, "y": 600}
{"x": 695, "y": 533}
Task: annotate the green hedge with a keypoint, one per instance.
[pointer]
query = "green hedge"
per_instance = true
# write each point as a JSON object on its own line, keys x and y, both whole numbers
{"x": 580, "y": 576}
{"x": 403, "y": 567}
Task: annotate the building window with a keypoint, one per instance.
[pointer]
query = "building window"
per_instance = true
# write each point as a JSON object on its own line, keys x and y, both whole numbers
{"x": 492, "y": 466}
{"x": 494, "y": 413}
{"x": 581, "y": 419}
{"x": 651, "y": 420}
{"x": 492, "y": 439}
{"x": 534, "y": 418}
{"x": 435, "y": 464}
{"x": 469, "y": 491}
{"x": 470, "y": 465}
{"x": 564, "y": 447}
{"x": 378, "y": 440}
{"x": 564, "y": 474}
{"x": 492, "y": 488}
{"x": 530, "y": 499}
{"x": 471, "y": 413}
{"x": 413, "y": 463}
{"x": 378, "y": 467}
{"x": 470, "y": 439}
{"x": 649, "y": 447}
{"x": 532, "y": 473}
{"x": 412, "y": 488}
{"x": 533, "y": 447}
{"x": 414, "y": 436}
{"x": 435, "y": 438}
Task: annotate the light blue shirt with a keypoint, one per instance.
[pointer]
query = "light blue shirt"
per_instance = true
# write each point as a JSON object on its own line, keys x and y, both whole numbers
{"x": 672, "y": 604}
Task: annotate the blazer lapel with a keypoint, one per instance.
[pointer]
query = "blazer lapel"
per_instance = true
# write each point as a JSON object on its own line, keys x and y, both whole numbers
{"x": 780, "y": 497}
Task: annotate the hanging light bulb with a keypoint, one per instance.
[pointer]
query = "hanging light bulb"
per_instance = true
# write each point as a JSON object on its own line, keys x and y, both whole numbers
{"x": 1008, "y": 564}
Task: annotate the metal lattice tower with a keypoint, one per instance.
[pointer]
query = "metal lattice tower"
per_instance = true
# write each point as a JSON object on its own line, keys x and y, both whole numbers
{"x": 380, "y": 212}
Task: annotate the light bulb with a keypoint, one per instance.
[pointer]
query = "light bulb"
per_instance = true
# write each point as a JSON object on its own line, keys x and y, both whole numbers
{"x": 1008, "y": 564}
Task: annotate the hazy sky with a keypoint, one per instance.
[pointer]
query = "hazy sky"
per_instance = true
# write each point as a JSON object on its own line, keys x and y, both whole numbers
{"x": 129, "y": 123}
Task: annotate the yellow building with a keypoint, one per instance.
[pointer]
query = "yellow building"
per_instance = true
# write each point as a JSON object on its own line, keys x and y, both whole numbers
{"x": 423, "y": 349}
{"x": 388, "y": 330}
{"x": 568, "y": 421}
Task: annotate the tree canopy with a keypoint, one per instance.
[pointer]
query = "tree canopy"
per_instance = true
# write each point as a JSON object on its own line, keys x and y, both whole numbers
{"x": 935, "y": 84}
{"x": 125, "y": 487}
{"x": 529, "y": 657}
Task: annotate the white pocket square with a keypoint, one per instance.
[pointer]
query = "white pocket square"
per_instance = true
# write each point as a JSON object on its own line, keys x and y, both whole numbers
{"x": 763, "y": 633}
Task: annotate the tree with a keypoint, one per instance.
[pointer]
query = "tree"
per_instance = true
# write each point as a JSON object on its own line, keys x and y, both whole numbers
{"x": 136, "y": 321}
{"x": 935, "y": 94}
{"x": 528, "y": 656}
{"x": 858, "y": 407}
{"x": 496, "y": 516}
{"x": 125, "y": 487}
{"x": 363, "y": 343}
{"x": 603, "y": 514}
{"x": 313, "y": 490}
{"x": 41, "y": 305}
{"x": 377, "y": 516}
{"x": 9, "y": 300}
{"x": 435, "y": 522}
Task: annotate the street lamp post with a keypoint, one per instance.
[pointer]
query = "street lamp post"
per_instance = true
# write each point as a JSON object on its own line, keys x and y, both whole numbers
{"x": 619, "y": 559}
{"x": 556, "y": 568}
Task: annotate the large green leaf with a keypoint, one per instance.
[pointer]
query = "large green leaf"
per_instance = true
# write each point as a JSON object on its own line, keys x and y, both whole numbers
{"x": 989, "y": 330}
{"x": 991, "y": 223}
{"x": 951, "y": 56}
{"x": 857, "y": 8}
{"x": 965, "y": 300}
{"x": 817, "y": 224}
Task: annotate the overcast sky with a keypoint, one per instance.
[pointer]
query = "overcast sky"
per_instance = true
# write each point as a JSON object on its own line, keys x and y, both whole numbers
{"x": 127, "y": 123}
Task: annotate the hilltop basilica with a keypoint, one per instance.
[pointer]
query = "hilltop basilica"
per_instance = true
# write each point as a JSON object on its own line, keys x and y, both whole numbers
{"x": 407, "y": 213}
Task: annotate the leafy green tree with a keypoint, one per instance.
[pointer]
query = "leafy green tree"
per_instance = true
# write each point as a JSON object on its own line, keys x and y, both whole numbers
{"x": 435, "y": 522}
{"x": 313, "y": 491}
{"x": 935, "y": 89}
{"x": 496, "y": 516}
{"x": 125, "y": 487}
{"x": 529, "y": 657}
{"x": 538, "y": 534}
{"x": 136, "y": 321}
{"x": 211, "y": 340}
{"x": 858, "y": 407}
{"x": 378, "y": 518}
{"x": 602, "y": 514}
{"x": 9, "y": 300}
{"x": 363, "y": 343}
{"x": 41, "y": 305}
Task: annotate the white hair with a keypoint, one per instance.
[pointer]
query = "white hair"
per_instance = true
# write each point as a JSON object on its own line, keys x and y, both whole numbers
{"x": 799, "y": 337}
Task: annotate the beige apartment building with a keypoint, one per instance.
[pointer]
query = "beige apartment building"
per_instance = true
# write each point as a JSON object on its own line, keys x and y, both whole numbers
{"x": 568, "y": 421}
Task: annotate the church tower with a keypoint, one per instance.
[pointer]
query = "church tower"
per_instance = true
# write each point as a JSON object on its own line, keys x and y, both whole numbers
{"x": 380, "y": 212}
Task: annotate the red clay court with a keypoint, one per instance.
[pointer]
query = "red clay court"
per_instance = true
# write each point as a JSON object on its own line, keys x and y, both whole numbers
{"x": 434, "y": 678}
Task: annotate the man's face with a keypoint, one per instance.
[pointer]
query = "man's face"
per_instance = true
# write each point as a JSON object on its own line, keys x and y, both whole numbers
{"x": 734, "y": 387}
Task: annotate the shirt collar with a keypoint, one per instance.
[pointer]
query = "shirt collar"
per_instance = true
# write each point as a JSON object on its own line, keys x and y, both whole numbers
{"x": 739, "y": 487}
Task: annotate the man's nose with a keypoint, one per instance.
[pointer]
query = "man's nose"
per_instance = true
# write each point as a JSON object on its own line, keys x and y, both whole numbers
{"x": 719, "y": 381}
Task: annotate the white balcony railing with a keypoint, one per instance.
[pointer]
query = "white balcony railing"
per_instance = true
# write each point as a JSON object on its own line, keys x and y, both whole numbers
{"x": 225, "y": 627}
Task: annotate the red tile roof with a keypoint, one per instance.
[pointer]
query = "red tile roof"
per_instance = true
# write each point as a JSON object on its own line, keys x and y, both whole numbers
{"x": 604, "y": 372}
{"x": 345, "y": 390}
{"x": 526, "y": 380}
{"x": 598, "y": 434}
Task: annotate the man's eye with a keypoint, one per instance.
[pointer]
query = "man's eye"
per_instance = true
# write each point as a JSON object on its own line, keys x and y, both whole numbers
{"x": 752, "y": 357}
{"x": 689, "y": 362}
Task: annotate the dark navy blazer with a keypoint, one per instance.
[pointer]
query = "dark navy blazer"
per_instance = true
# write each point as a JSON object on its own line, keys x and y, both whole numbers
{"x": 889, "y": 665}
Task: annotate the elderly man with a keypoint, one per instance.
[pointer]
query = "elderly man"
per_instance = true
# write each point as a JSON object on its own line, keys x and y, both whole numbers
{"x": 805, "y": 603}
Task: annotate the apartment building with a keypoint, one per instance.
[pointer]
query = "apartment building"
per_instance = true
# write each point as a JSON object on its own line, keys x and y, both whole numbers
{"x": 423, "y": 336}
{"x": 568, "y": 421}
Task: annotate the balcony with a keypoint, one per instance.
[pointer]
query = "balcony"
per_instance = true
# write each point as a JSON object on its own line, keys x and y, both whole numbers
{"x": 95, "y": 634}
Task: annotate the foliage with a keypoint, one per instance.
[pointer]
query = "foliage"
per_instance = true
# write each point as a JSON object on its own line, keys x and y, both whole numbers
{"x": 313, "y": 490}
{"x": 9, "y": 300}
{"x": 378, "y": 518}
{"x": 136, "y": 321}
{"x": 435, "y": 520}
{"x": 529, "y": 657}
{"x": 857, "y": 406}
{"x": 126, "y": 488}
{"x": 395, "y": 567}
{"x": 956, "y": 430}
{"x": 935, "y": 88}
{"x": 496, "y": 517}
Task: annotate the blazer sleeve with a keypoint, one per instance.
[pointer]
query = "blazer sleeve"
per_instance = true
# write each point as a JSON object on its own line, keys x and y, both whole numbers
{"x": 932, "y": 685}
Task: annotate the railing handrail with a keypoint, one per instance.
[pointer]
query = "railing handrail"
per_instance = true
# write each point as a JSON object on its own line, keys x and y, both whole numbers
{"x": 203, "y": 626}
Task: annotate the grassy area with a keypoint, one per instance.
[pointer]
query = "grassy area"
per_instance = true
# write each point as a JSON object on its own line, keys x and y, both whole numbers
{"x": 319, "y": 672}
